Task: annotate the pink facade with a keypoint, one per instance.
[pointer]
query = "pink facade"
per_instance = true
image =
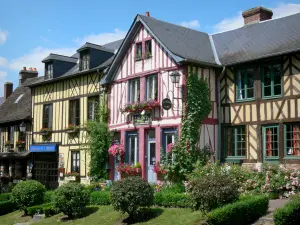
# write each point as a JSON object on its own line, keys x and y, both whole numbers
{"x": 149, "y": 78}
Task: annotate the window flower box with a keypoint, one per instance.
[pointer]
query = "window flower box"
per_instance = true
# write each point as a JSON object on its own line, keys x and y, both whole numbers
{"x": 72, "y": 128}
{"x": 127, "y": 170}
{"x": 135, "y": 107}
{"x": 74, "y": 177}
{"x": 46, "y": 133}
{"x": 20, "y": 144}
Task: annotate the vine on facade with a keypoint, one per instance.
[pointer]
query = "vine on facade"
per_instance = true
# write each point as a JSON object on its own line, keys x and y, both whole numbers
{"x": 186, "y": 153}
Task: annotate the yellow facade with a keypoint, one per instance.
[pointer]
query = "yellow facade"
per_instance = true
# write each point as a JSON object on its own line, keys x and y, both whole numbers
{"x": 59, "y": 93}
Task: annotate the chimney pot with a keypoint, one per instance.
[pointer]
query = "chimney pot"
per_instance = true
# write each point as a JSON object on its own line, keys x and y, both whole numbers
{"x": 30, "y": 68}
{"x": 257, "y": 14}
{"x": 148, "y": 14}
{"x": 8, "y": 89}
{"x": 26, "y": 74}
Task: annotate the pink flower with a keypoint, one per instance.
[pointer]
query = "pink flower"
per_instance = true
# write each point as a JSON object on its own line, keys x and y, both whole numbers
{"x": 170, "y": 147}
{"x": 116, "y": 149}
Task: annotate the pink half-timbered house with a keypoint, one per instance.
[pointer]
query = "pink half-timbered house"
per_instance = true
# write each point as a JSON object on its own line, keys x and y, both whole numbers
{"x": 147, "y": 74}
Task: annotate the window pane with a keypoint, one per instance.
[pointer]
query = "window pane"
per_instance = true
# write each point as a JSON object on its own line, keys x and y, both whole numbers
{"x": 267, "y": 91}
{"x": 236, "y": 141}
{"x": 277, "y": 89}
{"x": 139, "y": 50}
{"x": 271, "y": 141}
{"x": 267, "y": 76}
{"x": 134, "y": 90}
{"x": 277, "y": 74}
{"x": 152, "y": 153}
{"x": 148, "y": 48}
{"x": 250, "y": 83}
{"x": 241, "y": 85}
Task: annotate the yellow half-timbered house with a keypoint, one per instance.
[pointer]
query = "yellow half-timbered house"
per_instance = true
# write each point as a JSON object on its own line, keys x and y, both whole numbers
{"x": 63, "y": 102}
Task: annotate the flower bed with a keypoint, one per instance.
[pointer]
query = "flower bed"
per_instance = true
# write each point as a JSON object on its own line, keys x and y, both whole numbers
{"x": 140, "y": 106}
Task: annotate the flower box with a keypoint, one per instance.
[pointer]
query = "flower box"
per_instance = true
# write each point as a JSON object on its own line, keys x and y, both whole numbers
{"x": 73, "y": 131}
{"x": 127, "y": 170}
{"x": 72, "y": 178}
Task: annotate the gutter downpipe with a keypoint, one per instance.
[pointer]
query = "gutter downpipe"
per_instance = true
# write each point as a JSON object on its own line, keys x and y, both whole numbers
{"x": 218, "y": 153}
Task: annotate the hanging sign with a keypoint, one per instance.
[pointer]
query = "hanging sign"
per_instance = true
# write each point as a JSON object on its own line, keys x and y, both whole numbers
{"x": 166, "y": 104}
{"x": 142, "y": 119}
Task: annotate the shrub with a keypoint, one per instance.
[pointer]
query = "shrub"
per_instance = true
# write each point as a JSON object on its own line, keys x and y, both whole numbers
{"x": 100, "y": 198}
{"x": 174, "y": 188}
{"x": 48, "y": 196}
{"x": 5, "y": 196}
{"x": 71, "y": 199}
{"x": 245, "y": 211}
{"x": 28, "y": 193}
{"x": 171, "y": 199}
{"x": 7, "y": 207}
{"x": 211, "y": 192}
{"x": 288, "y": 214}
{"x": 47, "y": 209}
{"x": 129, "y": 194}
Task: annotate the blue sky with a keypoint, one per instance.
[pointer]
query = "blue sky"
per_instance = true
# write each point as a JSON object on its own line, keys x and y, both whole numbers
{"x": 30, "y": 30}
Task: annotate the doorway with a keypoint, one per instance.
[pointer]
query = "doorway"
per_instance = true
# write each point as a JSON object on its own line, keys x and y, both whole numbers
{"x": 151, "y": 156}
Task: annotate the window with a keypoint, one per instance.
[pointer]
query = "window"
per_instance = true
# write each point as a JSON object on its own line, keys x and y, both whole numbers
{"x": 49, "y": 71}
{"x": 292, "y": 139}
{"x": 271, "y": 83}
{"x": 75, "y": 157}
{"x": 245, "y": 84}
{"x": 11, "y": 135}
{"x": 138, "y": 51}
{"x": 47, "y": 116}
{"x": 85, "y": 60}
{"x": 169, "y": 136}
{"x": 235, "y": 142}
{"x": 148, "y": 49}
{"x": 152, "y": 87}
{"x": 74, "y": 112}
{"x": 134, "y": 90}
{"x": 131, "y": 154}
{"x": 93, "y": 105}
{"x": 271, "y": 141}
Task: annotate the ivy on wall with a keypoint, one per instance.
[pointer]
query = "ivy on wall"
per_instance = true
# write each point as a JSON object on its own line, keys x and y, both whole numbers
{"x": 186, "y": 153}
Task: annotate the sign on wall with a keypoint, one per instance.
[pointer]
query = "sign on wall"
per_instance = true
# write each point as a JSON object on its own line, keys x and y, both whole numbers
{"x": 166, "y": 104}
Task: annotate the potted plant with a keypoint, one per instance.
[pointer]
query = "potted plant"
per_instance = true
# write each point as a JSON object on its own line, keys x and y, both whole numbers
{"x": 46, "y": 133}
{"x": 72, "y": 128}
{"x": 160, "y": 171}
{"x": 151, "y": 104}
{"x": 72, "y": 176}
{"x": 20, "y": 145}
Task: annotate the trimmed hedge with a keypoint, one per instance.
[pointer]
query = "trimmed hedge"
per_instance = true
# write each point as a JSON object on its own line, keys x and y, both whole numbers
{"x": 5, "y": 197}
{"x": 47, "y": 209}
{"x": 48, "y": 196}
{"x": 100, "y": 198}
{"x": 7, "y": 207}
{"x": 245, "y": 211}
{"x": 288, "y": 214}
{"x": 171, "y": 199}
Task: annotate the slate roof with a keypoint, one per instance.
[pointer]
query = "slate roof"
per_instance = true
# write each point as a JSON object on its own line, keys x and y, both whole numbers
{"x": 259, "y": 40}
{"x": 94, "y": 46}
{"x": 1, "y": 100}
{"x": 11, "y": 111}
{"x": 60, "y": 58}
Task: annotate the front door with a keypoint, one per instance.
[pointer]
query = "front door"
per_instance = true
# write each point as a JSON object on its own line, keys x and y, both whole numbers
{"x": 151, "y": 156}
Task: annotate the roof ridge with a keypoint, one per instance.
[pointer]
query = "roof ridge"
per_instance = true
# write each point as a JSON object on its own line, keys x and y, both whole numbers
{"x": 211, "y": 40}
{"x": 63, "y": 55}
{"x": 173, "y": 24}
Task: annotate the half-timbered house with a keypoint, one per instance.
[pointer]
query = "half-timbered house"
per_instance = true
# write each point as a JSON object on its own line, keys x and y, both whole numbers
{"x": 16, "y": 128}
{"x": 260, "y": 86}
{"x": 63, "y": 101}
{"x": 147, "y": 89}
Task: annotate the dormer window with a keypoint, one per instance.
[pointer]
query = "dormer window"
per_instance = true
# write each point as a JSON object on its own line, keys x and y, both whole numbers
{"x": 49, "y": 71}
{"x": 85, "y": 60}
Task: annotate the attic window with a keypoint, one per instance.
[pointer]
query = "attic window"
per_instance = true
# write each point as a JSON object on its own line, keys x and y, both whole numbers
{"x": 19, "y": 98}
{"x": 49, "y": 71}
{"x": 85, "y": 60}
{"x": 148, "y": 49}
{"x": 138, "y": 51}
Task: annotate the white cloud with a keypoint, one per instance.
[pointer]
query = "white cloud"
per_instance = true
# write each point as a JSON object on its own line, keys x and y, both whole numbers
{"x": 191, "y": 24}
{"x": 35, "y": 57}
{"x": 102, "y": 38}
{"x": 281, "y": 10}
{"x": 3, "y": 36}
{"x": 3, "y": 61}
{"x": 2, "y": 75}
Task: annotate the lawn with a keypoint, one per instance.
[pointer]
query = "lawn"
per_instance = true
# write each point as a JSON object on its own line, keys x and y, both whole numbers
{"x": 105, "y": 215}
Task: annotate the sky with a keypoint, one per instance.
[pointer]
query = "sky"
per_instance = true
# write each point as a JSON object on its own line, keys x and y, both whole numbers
{"x": 32, "y": 29}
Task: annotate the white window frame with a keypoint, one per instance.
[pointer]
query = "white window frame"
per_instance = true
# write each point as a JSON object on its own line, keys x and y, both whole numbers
{"x": 151, "y": 79}
{"x": 134, "y": 90}
{"x": 135, "y": 148}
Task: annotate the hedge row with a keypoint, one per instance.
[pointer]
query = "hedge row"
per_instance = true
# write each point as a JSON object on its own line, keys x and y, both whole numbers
{"x": 165, "y": 199}
{"x": 5, "y": 197}
{"x": 288, "y": 214}
{"x": 245, "y": 211}
{"x": 47, "y": 209}
{"x": 7, "y": 207}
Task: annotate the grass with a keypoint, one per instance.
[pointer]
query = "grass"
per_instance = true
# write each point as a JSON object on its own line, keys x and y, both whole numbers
{"x": 105, "y": 215}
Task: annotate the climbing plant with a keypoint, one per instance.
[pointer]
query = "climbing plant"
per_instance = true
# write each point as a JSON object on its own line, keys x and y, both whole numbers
{"x": 99, "y": 140}
{"x": 186, "y": 152}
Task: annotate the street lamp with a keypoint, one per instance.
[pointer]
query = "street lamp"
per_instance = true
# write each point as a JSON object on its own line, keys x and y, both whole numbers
{"x": 175, "y": 76}
{"x": 23, "y": 127}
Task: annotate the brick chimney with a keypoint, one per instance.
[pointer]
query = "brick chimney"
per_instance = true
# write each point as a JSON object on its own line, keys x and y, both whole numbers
{"x": 25, "y": 74}
{"x": 257, "y": 14}
{"x": 8, "y": 89}
{"x": 148, "y": 14}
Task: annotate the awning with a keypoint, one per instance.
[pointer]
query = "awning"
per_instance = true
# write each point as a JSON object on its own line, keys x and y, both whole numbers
{"x": 43, "y": 148}
{"x": 14, "y": 155}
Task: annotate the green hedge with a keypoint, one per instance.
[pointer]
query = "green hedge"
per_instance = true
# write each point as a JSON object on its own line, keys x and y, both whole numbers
{"x": 171, "y": 199}
{"x": 7, "y": 207}
{"x": 288, "y": 214}
{"x": 5, "y": 197}
{"x": 47, "y": 209}
{"x": 100, "y": 198}
{"x": 245, "y": 211}
{"x": 48, "y": 196}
